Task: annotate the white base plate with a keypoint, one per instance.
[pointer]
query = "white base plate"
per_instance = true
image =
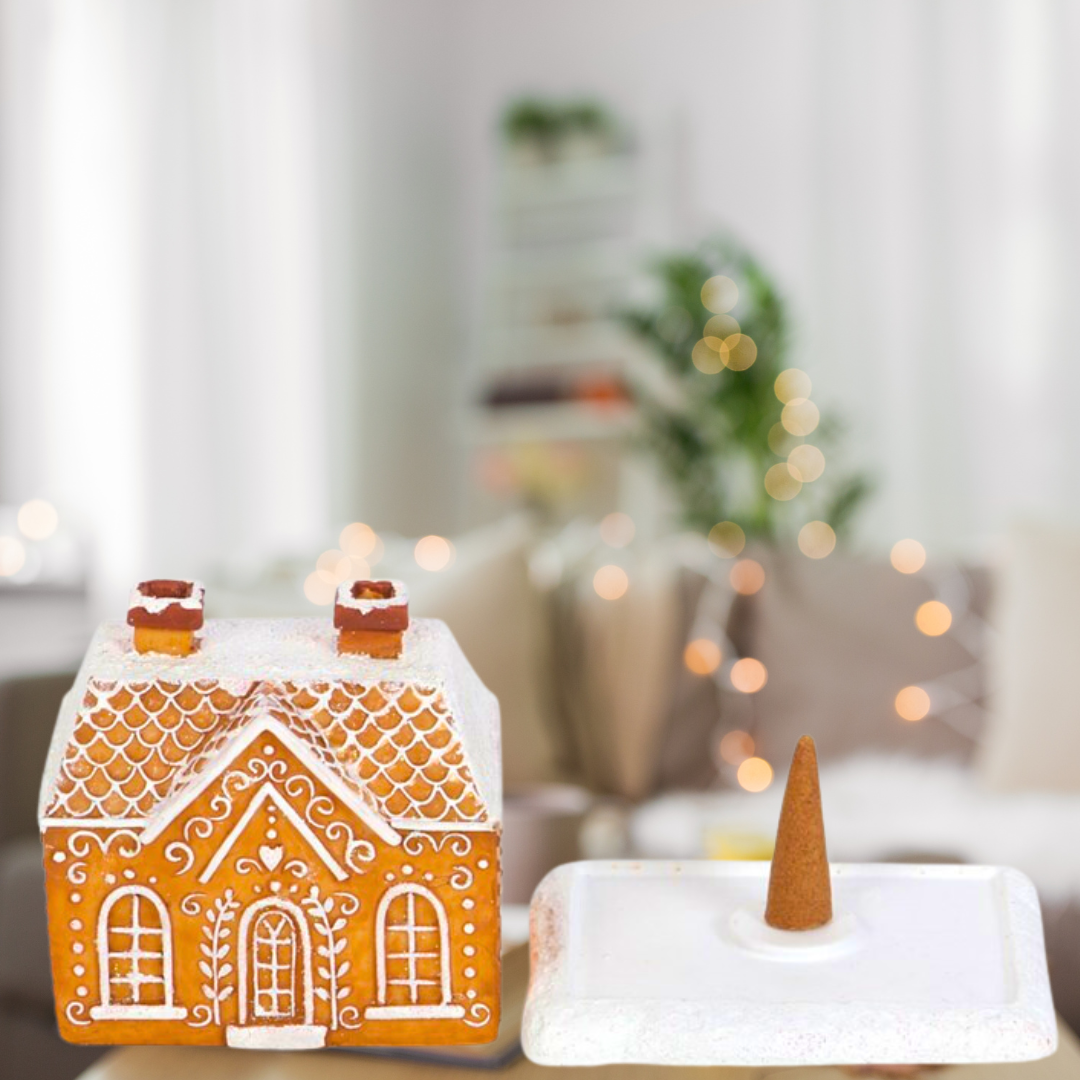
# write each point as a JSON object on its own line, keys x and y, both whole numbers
{"x": 672, "y": 964}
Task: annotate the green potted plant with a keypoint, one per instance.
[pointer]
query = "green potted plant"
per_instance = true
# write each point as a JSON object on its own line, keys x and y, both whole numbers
{"x": 732, "y": 427}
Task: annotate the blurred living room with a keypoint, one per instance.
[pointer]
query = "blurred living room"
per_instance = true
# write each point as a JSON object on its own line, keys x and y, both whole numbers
{"x": 703, "y": 364}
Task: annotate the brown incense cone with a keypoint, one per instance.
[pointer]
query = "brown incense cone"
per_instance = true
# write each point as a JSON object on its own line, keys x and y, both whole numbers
{"x": 800, "y": 893}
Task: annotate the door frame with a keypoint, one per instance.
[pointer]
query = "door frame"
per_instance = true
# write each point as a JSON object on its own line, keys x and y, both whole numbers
{"x": 243, "y": 965}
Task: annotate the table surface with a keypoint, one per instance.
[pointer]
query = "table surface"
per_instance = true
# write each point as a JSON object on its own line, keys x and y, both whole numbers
{"x": 183, "y": 1063}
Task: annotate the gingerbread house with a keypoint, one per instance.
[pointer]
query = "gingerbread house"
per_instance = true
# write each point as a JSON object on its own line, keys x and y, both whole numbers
{"x": 258, "y": 833}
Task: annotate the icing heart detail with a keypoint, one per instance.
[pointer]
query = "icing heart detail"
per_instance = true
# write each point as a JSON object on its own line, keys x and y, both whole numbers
{"x": 270, "y": 855}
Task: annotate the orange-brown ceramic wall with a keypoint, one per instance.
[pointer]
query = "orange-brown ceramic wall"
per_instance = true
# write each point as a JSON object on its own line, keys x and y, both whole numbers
{"x": 460, "y": 868}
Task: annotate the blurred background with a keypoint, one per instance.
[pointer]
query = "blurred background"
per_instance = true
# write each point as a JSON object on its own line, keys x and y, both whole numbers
{"x": 706, "y": 365}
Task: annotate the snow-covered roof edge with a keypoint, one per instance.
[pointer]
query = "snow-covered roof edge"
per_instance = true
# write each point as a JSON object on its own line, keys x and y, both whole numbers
{"x": 297, "y": 650}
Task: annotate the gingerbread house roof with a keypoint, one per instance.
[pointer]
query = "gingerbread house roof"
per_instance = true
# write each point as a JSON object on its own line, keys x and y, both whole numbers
{"x": 412, "y": 741}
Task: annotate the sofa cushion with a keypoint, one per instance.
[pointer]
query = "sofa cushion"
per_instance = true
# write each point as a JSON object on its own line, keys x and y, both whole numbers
{"x": 1033, "y": 735}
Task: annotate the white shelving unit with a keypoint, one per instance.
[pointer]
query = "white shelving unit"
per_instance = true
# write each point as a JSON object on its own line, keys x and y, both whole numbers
{"x": 553, "y": 356}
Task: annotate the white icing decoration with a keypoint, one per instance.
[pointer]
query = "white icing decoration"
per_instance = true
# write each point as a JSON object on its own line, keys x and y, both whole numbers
{"x": 414, "y": 911}
{"x": 108, "y": 958}
{"x": 332, "y": 969}
{"x": 274, "y": 918}
{"x": 157, "y": 604}
{"x": 459, "y": 843}
{"x": 268, "y": 791}
{"x": 214, "y": 965}
{"x": 480, "y": 1013}
{"x": 75, "y": 1012}
{"x": 365, "y": 605}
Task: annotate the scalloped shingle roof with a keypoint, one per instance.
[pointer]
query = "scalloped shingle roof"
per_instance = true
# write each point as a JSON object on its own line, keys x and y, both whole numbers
{"x": 135, "y": 743}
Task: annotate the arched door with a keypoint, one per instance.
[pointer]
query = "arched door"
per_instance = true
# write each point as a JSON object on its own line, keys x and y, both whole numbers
{"x": 274, "y": 972}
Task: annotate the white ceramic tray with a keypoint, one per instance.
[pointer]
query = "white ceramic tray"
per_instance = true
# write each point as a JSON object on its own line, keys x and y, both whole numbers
{"x": 671, "y": 963}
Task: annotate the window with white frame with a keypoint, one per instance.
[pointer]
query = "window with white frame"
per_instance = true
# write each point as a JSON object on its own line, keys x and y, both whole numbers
{"x": 412, "y": 956}
{"x": 134, "y": 946}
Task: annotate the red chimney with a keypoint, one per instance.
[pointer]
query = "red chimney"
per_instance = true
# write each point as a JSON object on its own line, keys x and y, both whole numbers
{"x": 371, "y": 617}
{"x": 166, "y": 613}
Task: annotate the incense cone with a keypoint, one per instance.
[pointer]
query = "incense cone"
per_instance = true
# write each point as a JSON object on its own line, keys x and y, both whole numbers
{"x": 800, "y": 893}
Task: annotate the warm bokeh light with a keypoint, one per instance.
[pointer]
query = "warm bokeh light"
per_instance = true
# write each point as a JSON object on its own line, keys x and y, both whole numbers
{"x": 912, "y": 703}
{"x": 610, "y": 582}
{"x": 702, "y": 656}
{"x": 12, "y": 556}
{"x": 726, "y": 539}
{"x": 747, "y": 576}
{"x": 721, "y": 326}
{"x": 38, "y": 519}
{"x": 908, "y": 556}
{"x": 719, "y": 294}
{"x": 617, "y": 529}
{"x": 780, "y": 484}
{"x": 358, "y": 540}
{"x": 933, "y": 618}
{"x": 781, "y": 440}
{"x": 433, "y": 553}
{"x": 736, "y": 747}
{"x": 748, "y": 675}
{"x": 806, "y": 463}
{"x": 318, "y": 590}
{"x": 755, "y": 774}
{"x": 360, "y": 570}
{"x": 800, "y": 416}
{"x": 739, "y": 352}
{"x": 792, "y": 384}
{"x": 333, "y": 566}
{"x": 817, "y": 539}
{"x": 707, "y": 359}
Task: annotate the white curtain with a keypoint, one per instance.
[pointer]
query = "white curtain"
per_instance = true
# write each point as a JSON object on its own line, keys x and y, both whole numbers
{"x": 174, "y": 204}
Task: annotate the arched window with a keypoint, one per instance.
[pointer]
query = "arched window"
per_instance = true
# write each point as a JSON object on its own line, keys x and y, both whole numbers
{"x": 135, "y": 963}
{"x": 412, "y": 957}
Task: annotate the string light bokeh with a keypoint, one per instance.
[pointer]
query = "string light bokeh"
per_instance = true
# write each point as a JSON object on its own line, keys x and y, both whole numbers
{"x": 433, "y": 553}
{"x": 748, "y": 675}
{"x": 702, "y": 656}
{"x": 747, "y": 577}
{"x": 755, "y": 774}
{"x": 611, "y": 582}
{"x": 726, "y": 539}
{"x": 912, "y": 704}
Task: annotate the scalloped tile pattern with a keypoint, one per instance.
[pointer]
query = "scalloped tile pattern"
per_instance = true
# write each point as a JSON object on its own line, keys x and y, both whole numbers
{"x": 136, "y": 744}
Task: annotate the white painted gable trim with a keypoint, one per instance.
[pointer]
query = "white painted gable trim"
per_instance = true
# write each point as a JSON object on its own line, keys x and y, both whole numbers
{"x": 268, "y": 791}
{"x": 427, "y": 825}
{"x": 167, "y": 812}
